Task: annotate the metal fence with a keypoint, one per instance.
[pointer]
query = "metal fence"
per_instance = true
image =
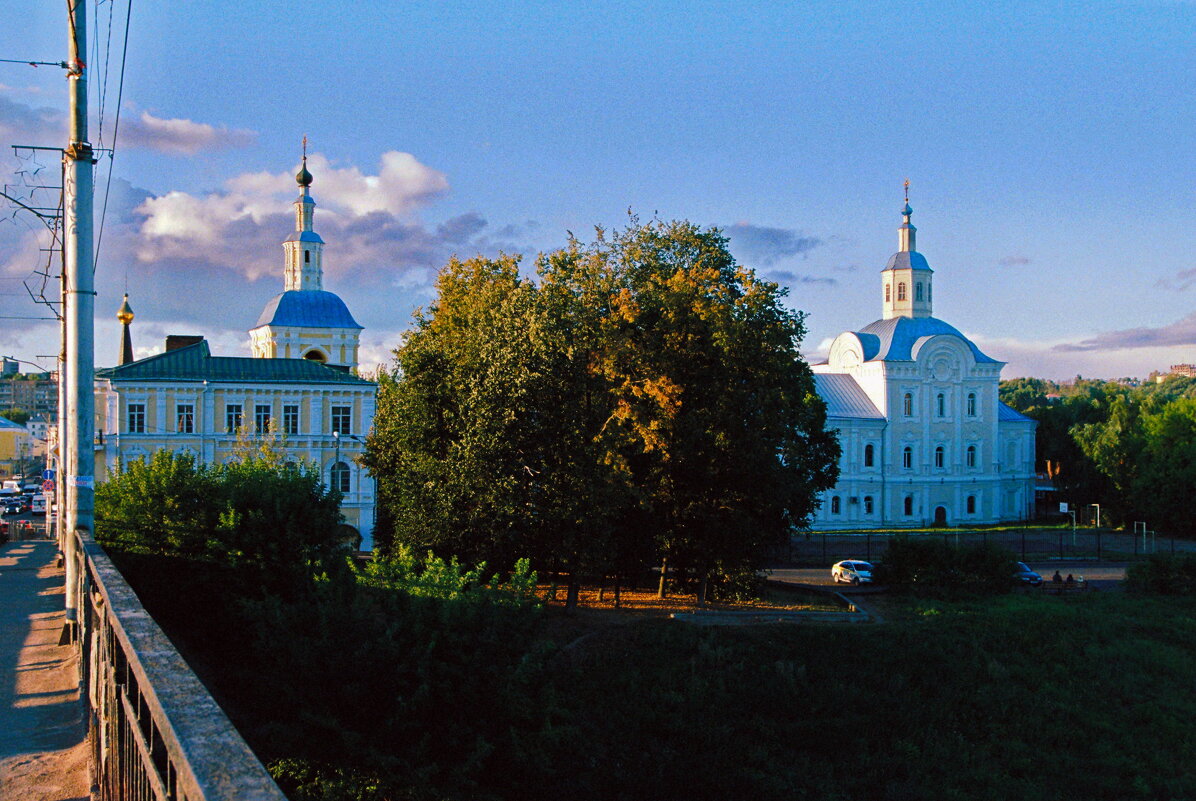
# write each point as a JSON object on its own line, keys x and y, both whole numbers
{"x": 155, "y": 731}
{"x": 821, "y": 549}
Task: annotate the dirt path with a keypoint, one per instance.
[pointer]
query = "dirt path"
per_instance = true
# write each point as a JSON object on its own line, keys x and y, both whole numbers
{"x": 43, "y": 755}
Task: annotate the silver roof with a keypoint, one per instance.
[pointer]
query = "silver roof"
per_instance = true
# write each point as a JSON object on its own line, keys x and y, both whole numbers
{"x": 1007, "y": 414}
{"x": 844, "y": 397}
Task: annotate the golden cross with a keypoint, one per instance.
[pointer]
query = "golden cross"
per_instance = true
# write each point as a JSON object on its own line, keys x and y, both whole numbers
{"x": 906, "y": 189}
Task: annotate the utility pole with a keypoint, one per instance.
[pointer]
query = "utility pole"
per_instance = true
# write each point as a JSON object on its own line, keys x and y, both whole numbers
{"x": 79, "y": 311}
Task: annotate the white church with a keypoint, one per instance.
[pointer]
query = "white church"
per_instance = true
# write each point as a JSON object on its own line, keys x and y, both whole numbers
{"x": 925, "y": 439}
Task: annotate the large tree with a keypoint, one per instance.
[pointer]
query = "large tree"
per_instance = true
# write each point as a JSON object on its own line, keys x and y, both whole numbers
{"x": 644, "y": 396}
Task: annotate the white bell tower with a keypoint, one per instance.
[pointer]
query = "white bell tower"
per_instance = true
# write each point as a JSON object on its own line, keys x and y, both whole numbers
{"x": 906, "y": 280}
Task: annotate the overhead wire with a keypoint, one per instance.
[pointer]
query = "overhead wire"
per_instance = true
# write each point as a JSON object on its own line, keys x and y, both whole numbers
{"x": 120, "y": 90}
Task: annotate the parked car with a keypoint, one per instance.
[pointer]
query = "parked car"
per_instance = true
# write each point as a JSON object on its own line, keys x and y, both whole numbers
{"x": 13, "y": 507}
{"x": 1025, "y": 575}
{"x": 852, "y": 571}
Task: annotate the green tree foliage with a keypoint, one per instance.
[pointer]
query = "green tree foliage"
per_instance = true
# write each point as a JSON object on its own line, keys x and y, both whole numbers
{"x": 644, "y": 397}
{"x": 930, "y": 566}
{"x": 256, "y": 511}
{"x": 1164, "y": 575}
{"x": 18, "y": 416}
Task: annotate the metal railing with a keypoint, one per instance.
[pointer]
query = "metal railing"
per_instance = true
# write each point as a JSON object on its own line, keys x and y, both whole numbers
{"x": 155, "y": 730}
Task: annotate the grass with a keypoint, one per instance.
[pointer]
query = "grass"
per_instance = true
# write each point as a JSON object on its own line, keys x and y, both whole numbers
{"x": 1088, "y": 696}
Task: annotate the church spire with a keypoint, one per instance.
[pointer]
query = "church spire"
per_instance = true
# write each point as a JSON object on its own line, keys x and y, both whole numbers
{"x": 905, "y": 233}
{"x": 304, "y": 248}
{"x": 125, "y": 315}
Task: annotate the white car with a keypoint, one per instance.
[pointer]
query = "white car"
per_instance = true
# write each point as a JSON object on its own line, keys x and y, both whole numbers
{"x": 852, "y": 571}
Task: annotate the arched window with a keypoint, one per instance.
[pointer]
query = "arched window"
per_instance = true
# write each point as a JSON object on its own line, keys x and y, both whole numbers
{"x": 867, "y": 504}
{"x": 941, "y": 405}
{"x": 835, "y": 505}
{"x": 315, "y": 356}
{"x": 869, "y": 455}
{"x": 918, "y": 291}
{"x": 909, "y": 505}
{"x": 938, "y": 456}
{"x": 907, "y": 457}
{"x": 888, "y": 292}
{"x": 971, "y": 504}
{"x": 971, "y": 404}
{"x": 908, "y": 405}
{"x": 971, "y": 456}
{"x": 340, "y": 477}
{"x": 901, "y": 291}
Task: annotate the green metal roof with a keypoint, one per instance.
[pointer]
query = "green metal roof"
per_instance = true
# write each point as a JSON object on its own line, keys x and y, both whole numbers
{"x": 196, "y": 363}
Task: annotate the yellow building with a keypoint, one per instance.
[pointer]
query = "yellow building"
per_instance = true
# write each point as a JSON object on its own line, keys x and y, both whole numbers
{"x": 16, "y": 446}
{"x": 299, "y": 386}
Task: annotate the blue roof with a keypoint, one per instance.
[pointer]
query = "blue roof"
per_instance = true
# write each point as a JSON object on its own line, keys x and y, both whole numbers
{"x": 304, "y": 236}
{"x": 844, "y": 397}
{"x": 6, "y": 423}
{"x": 894, "y": 339}
{"x": 310, "y": 308}
{"x": 1007, "y": 414}
{"x": 908, "y": 260}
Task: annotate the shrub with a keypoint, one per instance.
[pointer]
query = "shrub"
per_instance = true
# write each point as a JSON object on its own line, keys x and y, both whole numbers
{"x": 1164, "y": 575}
{"x": 928, "y": 565}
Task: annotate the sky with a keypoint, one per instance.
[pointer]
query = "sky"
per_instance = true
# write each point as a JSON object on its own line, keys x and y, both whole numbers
{"x": 1048, "y": 145}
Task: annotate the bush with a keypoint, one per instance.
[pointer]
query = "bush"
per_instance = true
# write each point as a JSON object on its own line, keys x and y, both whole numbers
{"x": 930, "y": 566}
{"x": 1164, "y": 575}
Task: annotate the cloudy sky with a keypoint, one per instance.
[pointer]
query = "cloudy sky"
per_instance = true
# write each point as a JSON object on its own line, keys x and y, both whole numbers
{"x": 1048, "y": 144}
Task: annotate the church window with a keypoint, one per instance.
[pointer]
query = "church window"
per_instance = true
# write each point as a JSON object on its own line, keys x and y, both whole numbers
{"x": 909, "y": 505}
{"x": 939, "y": 455}
{"x": 136, "y": 418}
{"x": 341, "y": 415}
{"x": 918, "y": 291}
{"x": 340, "y": 477}
{"x": 888, "y": 292}
{"x": 901, "y": 291}
{"x": 971, "y": 456}
{"x": 971, "y": 404}
{"x": 867, "y": 504}
{"x": 232, "y": 418}
{"x": 836, "y": 506}
{"x": 971, "y": 504}
{"x": 908, "y": 405}
{"x": 315, "y": 356}
{"x": 185, "y": 414}
{"x": 869, "y": 455}
{"x": 307, "y": 257}
{"x": 261, "y": 418}
{"x": 907, "y": 457}
{"x": 290, "y": 419}
{"x": 941, "y": 405}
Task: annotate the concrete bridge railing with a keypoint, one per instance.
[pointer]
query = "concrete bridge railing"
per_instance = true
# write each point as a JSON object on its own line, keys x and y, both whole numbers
{"x": 155, "y": 730}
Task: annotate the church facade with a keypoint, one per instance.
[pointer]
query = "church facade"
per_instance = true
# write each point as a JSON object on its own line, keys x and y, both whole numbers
{"x": 925, "y": 437}
{"x": 299, "y": 388}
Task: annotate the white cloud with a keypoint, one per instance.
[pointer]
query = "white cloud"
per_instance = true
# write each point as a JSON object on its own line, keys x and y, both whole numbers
{"x": 181, "y": 137}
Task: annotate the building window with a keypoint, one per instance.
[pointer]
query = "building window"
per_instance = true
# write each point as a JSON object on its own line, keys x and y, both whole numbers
{"x": 232, "y": 417}
{"x": 908, "y": 405}
{"x": 136, "y": 418}
{"x": 971, "y": 504}
{"x": 307, "y": 257}
{"x": 888, "y": 293}
{"x": 868, "y": 455}
{"x": 938, "y": 456}
{"x": 971, "y": 404}
{"x": 261, "y": 418}
{"x": 918, "y": 291}
{"x": 971, "y": 456}
{"x": 290, "y": 419}
{"x": 185, "y": 412}
{"x": 907, "y": 457}
{"x": 941, "y": 405}
{"x": 340, "y": 477}
{"x": 901, "y": 291}
{"x": 867, "y": 504}
{"x": 836, "y": 506}
{"x": 341, "y": 415}
{"x": 909, "y": 505}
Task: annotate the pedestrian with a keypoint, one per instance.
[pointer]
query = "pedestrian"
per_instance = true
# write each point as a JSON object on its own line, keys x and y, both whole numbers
{"x": 1070, "y": 580}
{"x": 1057, "y": 579}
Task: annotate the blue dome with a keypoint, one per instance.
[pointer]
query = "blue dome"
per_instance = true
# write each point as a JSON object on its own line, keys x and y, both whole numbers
{"x": 307, "y": 309}
{"x": 894, "y": 339}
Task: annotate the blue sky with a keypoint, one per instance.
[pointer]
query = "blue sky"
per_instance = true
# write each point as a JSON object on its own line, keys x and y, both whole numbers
{"x": 1048, "y": 145}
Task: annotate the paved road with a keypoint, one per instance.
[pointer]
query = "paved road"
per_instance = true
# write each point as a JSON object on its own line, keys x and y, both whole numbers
{"x": 43, "y": 756}
{"x": 1101, "y": 574}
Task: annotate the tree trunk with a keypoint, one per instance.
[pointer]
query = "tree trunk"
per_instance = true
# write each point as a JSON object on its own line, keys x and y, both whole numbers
{"x": 572, "y": 595}
{"x": 618, "y": 599}
{"x": 661, "y": 591}
{"x": 703, "y": 585}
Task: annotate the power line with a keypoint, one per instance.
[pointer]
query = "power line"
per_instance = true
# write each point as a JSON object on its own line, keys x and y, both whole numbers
{"x": 34, "y": 63}
{"x": 115, "y": 131}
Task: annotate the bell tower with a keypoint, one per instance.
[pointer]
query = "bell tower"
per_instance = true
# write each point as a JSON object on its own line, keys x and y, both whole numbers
{"x": 906, "y": 280}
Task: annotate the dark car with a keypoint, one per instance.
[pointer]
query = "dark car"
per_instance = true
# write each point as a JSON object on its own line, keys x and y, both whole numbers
{"x": 1024, "y": 575}
{"x": 13, "y": 507}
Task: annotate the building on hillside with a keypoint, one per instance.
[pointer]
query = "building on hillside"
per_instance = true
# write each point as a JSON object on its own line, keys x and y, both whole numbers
{"x": 35, "y": 393}
{"x": 925, "y": 439}
{"x": 299, "y": 387}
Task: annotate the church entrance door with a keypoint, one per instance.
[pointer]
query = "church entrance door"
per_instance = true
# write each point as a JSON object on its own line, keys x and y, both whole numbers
{"x": 940, "y": 515}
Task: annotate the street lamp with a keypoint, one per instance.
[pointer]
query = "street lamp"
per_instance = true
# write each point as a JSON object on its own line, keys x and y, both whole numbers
{"x": 336, "y": 437}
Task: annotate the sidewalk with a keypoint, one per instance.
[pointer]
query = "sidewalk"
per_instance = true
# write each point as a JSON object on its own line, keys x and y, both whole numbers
{"x": 43, "y": 755}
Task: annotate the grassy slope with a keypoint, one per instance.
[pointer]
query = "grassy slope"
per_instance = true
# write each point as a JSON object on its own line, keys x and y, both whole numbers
{"x": 1087, "y": 697}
